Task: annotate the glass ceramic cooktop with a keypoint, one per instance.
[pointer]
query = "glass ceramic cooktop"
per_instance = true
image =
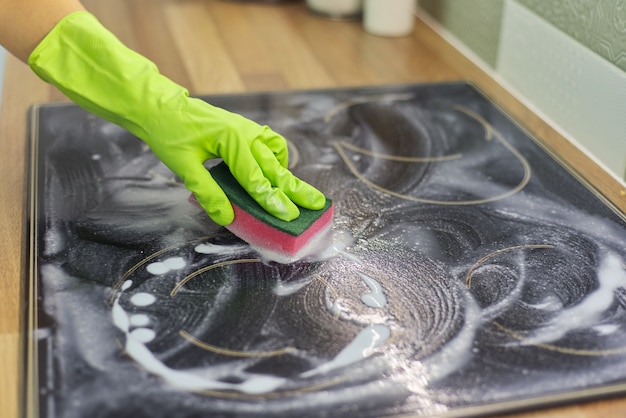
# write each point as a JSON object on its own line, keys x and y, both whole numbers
{"x": 468, "y": 271}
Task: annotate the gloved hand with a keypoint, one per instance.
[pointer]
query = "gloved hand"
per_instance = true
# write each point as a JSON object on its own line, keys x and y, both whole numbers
{"x": 94, "y": 69}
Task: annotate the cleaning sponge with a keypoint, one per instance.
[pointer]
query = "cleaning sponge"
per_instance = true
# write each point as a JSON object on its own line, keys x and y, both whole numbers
{"x": 273, "y": 238}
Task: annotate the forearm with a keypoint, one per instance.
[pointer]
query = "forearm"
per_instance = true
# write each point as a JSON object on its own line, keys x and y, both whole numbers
{"x": 24, "y": 23}
{"x": 70, "y": 49}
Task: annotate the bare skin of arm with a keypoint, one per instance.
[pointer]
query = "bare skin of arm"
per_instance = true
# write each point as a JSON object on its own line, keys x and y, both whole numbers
{"x": 24, "y": 23}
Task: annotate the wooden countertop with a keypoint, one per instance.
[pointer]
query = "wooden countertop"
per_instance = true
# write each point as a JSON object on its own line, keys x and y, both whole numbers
{"x": 216, "y": 47}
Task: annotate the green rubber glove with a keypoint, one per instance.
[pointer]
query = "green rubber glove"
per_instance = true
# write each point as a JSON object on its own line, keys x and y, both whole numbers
{"x": 94, "y": 69}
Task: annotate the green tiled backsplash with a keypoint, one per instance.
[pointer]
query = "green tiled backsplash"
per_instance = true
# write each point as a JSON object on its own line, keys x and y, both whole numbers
{"x": 475, "y": 22}
{"x": 600, "y": 25}
{"x": 567, "y": 58}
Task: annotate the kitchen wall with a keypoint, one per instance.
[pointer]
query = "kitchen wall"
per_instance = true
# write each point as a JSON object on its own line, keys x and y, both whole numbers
{"x": 2, "y": 56}
{"x": 565, "y": 59}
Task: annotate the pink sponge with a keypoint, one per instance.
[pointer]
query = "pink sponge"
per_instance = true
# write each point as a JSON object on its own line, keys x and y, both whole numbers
{"x": 273, "y": 238}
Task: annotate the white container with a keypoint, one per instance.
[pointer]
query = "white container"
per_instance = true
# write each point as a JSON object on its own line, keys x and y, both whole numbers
{"x": 336, "y": 9}
{"x": 389, "y": 17}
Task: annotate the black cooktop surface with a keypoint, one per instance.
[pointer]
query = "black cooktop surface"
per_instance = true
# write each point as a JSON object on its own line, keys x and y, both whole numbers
{"x": 469, "y": 271}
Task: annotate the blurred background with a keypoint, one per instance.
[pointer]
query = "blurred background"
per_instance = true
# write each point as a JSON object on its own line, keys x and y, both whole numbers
{"x": 565, "y": 59}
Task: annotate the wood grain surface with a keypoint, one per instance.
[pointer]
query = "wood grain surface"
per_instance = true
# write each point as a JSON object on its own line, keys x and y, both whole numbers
{"x": 217, "y": 47}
